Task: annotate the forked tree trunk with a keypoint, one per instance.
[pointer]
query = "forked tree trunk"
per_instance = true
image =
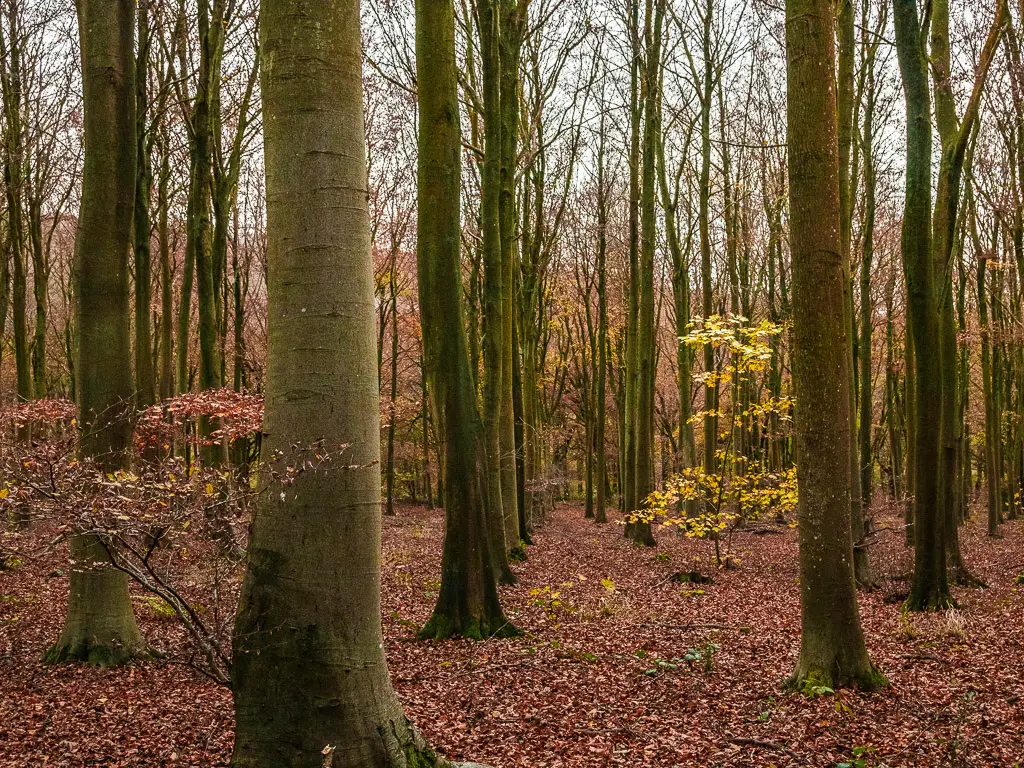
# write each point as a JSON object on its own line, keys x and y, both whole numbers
{"x": 954, "y": 137}
{"x": 309, "y": 676}
{"x": 468, "y": 601}
{"x": 100, "y": 627}
{"x": 494, "y": 287}
{"x": 832, "y": 651}
{"x": 930, "y": 589}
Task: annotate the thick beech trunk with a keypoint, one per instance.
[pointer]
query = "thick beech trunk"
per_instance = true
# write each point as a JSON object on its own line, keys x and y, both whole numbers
{"x": 832, "y": 651}
{"x": 309, "y": 676}
{"x": 100, "y": 627}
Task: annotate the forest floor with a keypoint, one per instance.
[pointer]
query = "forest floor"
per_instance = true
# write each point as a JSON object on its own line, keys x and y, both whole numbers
{"x": 618, "y": 665}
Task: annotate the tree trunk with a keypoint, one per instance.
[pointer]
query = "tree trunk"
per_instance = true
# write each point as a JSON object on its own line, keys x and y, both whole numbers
{"x": 954, "y": 138}
{"x": 145, "y": 375}
{"x": 11, "y": 65}
{"x": 512, "y": 26}
{"x": 991, "y": 437}
{"x": 468, "y": 601}
{"x": 629, "y": 438}
{"x": 494, "y": 288}
{"x": 930, "y": 588}
{"x": 166, "y": 277}
{"x": 704, "y": 217}
{"x": 40, "y": 291}
{"x": 309, "y": 675}
{"x": 600, "y": 470}
{"x": 389, "y": 465}
{"x": 99, "y": 627}
{"x": 201, "y": 231}
{"x": 832, "y": 651}
{"x": 847, "y": 186}
{"x": 645, "y": 337}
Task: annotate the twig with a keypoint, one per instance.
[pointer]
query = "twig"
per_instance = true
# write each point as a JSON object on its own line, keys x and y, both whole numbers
{"x": 694, "y": 626}
{"x": 743, "y": 742}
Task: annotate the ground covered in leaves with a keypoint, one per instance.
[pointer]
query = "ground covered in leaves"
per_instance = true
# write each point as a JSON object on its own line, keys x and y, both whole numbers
{"x": 619, "y": 663}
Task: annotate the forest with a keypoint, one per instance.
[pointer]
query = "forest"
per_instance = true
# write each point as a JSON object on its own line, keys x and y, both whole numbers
{"x": 494, "y": 383}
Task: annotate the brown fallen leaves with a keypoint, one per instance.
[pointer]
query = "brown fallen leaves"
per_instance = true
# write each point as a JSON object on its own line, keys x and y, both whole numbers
{"x": 619, "y": 666}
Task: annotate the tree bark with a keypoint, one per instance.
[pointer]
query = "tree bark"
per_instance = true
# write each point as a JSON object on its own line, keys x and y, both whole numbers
{"x": 487, "y": 14}
{"x": 847, "y": 185}
{"x": 645, "y": 336}
{"x": 832, "y": 651}
{"x": 309, "y": 674}
{"x": 468, "y": 601}
{"x": 99, "y": 627}
{"x": 145, "y": 375}
{"x": 930, "y": 588}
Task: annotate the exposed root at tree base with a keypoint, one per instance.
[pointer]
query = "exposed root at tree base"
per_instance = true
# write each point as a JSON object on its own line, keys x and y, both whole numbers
{"x": 84, "y": 650}
{"x": 926, "y": 602}
{"x": 810, "y": 680}
{"x": 442, "y": 627}
{"x": 960, "y": 576}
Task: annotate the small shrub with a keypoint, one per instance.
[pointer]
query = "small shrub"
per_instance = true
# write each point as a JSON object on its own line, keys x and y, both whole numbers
{"x": 704, "y": 655}
{"x": 158, "y": 608}
{"x": 907, "y": 629}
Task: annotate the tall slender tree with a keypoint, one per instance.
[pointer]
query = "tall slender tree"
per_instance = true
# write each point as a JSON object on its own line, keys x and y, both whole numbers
{"x": 832, "y": 649}
{"x": 645, "y": 339}
{"x": 488, "y": 23}
{"x": 145, "y": 373}
{"x": 930, "y": 589}
{"x": 468, "y": 600}
{"x": 848, "y": 163}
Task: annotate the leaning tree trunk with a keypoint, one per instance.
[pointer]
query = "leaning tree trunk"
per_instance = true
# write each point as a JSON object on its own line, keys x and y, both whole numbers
{"x": 468, "y": 601}
{"x": 954, "y": 138}
{"x": 100, "y": 627}
{"x": 832, "y": 651}
{"x": 310, "y": 679}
